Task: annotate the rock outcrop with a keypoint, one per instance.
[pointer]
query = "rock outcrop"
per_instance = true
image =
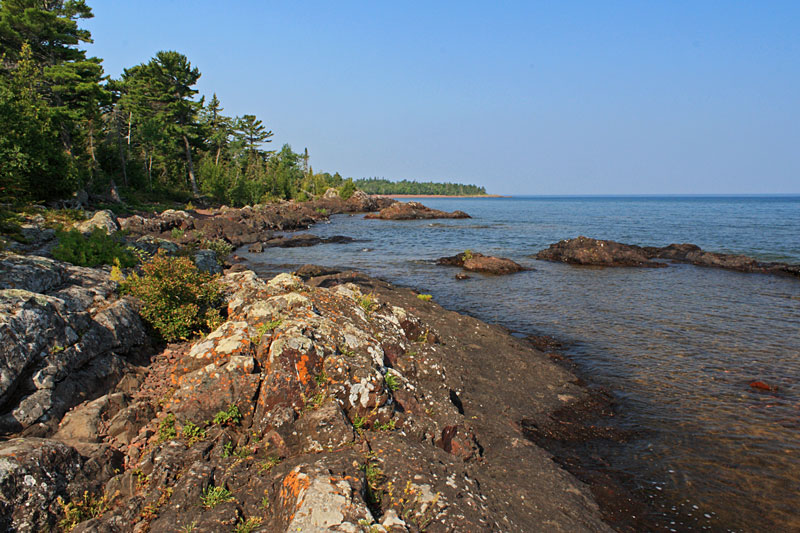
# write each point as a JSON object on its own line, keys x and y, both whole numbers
{"x": 588, "y": 251}
{"x": 64, "y": 333}
{"x": 477, "y": 262}
{"x": 413, "y": 211}
{"x": 317, "y": 406}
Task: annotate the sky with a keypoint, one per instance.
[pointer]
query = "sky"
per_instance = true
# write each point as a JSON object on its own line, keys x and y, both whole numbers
{"x": 611, "y": 97}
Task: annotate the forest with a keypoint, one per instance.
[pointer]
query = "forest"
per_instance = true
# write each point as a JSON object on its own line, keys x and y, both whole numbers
{"x": 384, "y": 186}
{"x": 66, "y": 126}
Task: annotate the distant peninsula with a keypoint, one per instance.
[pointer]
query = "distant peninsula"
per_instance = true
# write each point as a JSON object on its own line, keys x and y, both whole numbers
{"x": 417, "y": 188}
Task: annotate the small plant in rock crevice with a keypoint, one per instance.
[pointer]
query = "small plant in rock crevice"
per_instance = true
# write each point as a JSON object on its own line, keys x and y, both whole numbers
{"x": 213, "y": 496}
{"x": 425, "y": 297}
{"x": 247, "y": 526}
{"x": 230, "y": 417}
{"x": 392, "y": 381}
{"x": 192, "y": 433}
{"x": 87, "y": 507}
{"x": 166, "y": 429}
{"x": 367, "y": 302}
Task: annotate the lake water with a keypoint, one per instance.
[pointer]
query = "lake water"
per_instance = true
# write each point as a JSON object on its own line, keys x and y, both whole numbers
{"x": 677, "y": 346}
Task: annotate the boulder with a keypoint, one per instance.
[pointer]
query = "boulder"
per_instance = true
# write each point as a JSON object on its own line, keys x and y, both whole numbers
{"x": 206, "y": 260}
{"x": 34, "y": 473}
{"x": 105, "y": 220}
{"x": 413, "y": 211}
{"x": 477, "y": 262}
{"x": 586, "y": 251}
{"x": 63, "y": 330}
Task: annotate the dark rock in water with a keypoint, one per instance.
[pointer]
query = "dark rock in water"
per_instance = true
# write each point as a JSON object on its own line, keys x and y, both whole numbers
{"x": 305, "y": 239}
{"x": 586, "y": 251}
{"x": 462, "y": 277}
{"x": 312, "y": 271}
{"x": 294, "y": 241}
{"x": 477, "y": 262}
{"x": 760, "y": 385}
{"x": 256, "y": 248}
{"x": 413, "y": 211}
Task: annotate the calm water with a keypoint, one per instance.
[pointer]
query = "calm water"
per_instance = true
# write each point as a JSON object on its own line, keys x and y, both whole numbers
{"x": 678, "y": 346}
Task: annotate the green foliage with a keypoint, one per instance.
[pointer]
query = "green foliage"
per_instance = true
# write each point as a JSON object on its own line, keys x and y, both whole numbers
{"x": 392, "y": 381}
{"x": 425, "y": 297}
{"x": 467, "y": 255}
{"x": 213, "y": 496}
{"x": 268, "y": 464}
{"x": 388, "y": 426}
{"x": 230, "y": 417}
{"x": 384, "y": 186}
{"x": 166, "y": 429}
{"x": 247, "y": 526}
{"x": 359, "y": 422}
{"x": 192, "y": 433}
{"x": 367, "y": 303}
{"x": 98, "y": 248}
{"x": 347, "y": 189}
{"x": 87, "y": 507}
{"x": 221, "y": 248}
{"x": 176, "y": 233}
{"x": 178, "y": 299}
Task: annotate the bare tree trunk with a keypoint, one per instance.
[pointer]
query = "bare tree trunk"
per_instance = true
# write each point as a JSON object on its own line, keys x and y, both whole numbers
{"x": 216, "y": 160}
{"x": 192, "y": 180}
{"x": 121, "y": 154}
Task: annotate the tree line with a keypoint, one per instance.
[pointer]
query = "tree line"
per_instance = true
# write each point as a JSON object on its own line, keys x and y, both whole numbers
{"x": 66, "y": 126}
{"x": 384, "y": 186}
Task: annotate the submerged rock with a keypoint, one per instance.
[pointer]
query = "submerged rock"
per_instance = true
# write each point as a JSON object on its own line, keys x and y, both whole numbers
{"x": 413, "y": 211}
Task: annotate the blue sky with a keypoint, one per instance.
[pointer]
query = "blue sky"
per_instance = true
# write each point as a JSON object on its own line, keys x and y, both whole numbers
{"x": 606, "y": 97}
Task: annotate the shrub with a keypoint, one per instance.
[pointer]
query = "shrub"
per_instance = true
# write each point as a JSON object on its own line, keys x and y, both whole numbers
{"x": 230, "y": 417}
{"x": 425, "y": 297}
{"x": 99, "y": 248}
{"x": 220, "y": 247}
{"x": 89, "y": 506}
{"x": 178, "y": 299}
{"x": 166, "y": 429}
{"x": 347, "y": 189}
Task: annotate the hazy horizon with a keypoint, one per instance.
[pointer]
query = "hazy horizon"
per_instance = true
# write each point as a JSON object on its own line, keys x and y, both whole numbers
{"x": 579, "y": 99}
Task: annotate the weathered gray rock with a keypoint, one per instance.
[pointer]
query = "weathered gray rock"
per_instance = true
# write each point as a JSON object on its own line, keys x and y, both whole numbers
{"x": 62, "y": 331}
{"x": 206, "y": 260}
{"x": 105, "y": 220}
{"x": 33, "y": 474}
{"x": 152, "y": 245}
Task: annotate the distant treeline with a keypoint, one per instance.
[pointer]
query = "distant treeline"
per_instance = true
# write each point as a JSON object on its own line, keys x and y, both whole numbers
{"x": 384, "y": 186}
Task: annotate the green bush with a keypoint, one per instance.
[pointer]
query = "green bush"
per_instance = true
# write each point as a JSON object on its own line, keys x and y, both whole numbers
{"x": 220, "y": 247}
{"x": 347, "y": 189}
{"x": 178, "y": 299}
{"x": 99, "y": 248}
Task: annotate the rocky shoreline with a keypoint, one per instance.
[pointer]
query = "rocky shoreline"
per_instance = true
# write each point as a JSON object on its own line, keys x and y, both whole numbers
{"x": 330, "y": 401}
{"x": 360, "y": 399}
{"x": 327, "y": 400}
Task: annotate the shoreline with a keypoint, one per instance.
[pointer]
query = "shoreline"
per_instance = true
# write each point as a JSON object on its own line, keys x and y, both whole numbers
{"x": 441, "y": 196}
